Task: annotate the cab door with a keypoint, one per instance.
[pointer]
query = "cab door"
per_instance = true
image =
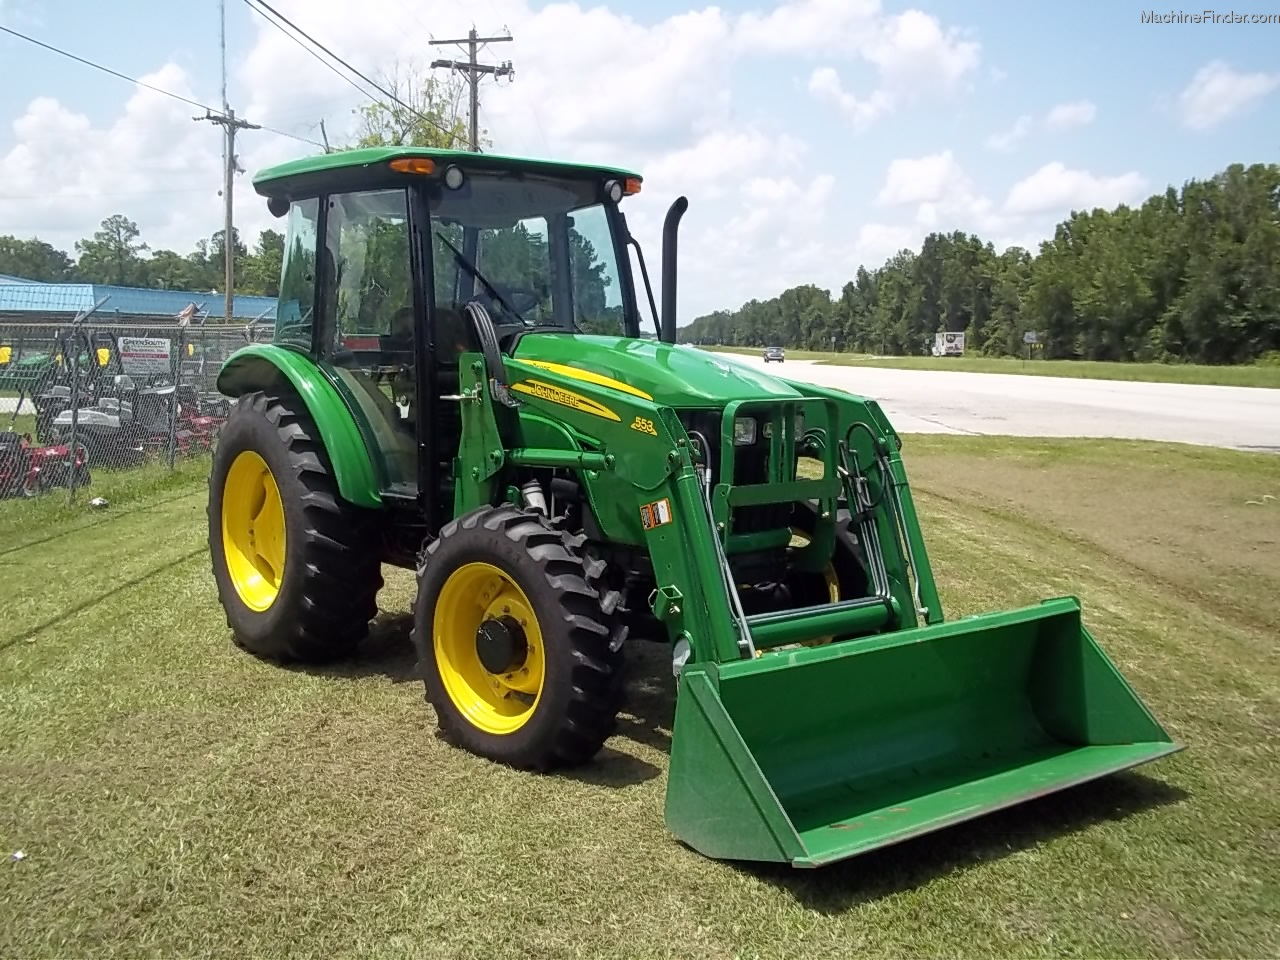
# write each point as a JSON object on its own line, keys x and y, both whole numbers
{"x": 369, "y": 322}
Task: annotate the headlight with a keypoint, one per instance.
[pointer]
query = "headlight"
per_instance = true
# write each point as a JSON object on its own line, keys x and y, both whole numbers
{"x": 744, "y": 431}
{"x": 799, "y": 431}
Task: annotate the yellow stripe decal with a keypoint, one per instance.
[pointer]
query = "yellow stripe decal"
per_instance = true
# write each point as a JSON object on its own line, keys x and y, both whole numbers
{"x": 566, "y": 398}
{"x": 586, "y": 376}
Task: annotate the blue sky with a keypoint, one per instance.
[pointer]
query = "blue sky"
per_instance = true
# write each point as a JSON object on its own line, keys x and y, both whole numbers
{"x": 809, "y": 135}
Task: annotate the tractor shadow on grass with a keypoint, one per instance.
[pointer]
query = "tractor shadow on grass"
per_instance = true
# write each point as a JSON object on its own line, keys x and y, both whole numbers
{"x": 837, "y": 888}
{"x": 386, "y": 652}
{"x": 645, "y": 719}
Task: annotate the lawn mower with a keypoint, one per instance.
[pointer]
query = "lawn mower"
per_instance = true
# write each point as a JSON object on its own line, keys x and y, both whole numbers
{"x": 461, "y": 383}
{"x": 28, "y": 469}
{"x": 122, "y": 427}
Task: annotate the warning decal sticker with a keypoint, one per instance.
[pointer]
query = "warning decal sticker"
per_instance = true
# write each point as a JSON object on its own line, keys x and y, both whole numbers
{"x": 655, "y": 514}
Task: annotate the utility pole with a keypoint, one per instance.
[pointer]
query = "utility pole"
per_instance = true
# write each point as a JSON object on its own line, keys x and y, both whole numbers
{"x": 227, "y": 120}
{"x": 230, "y": 124}
{"x": 474, "y": 71}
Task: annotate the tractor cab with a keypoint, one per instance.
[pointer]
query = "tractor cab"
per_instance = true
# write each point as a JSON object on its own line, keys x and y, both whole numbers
{"x": 397, "y": 261}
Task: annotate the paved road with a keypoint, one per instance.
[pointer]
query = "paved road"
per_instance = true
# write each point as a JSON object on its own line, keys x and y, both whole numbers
{"x": 940, "y": 401}
{"x": 1000, "y": 404}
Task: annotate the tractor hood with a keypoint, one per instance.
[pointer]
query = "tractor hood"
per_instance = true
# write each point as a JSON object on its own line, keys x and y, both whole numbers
{"x": 674, "y": 375}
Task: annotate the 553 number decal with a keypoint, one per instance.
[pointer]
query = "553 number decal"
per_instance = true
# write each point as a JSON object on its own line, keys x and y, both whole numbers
{"x": 644, "y": 426}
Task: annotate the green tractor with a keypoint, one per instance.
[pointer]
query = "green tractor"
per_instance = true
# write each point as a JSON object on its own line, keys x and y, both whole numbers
{"x": 462, "y": 383}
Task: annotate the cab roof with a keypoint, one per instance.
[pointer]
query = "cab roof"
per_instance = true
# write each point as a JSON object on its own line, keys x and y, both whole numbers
{"x": 343, "y": 163}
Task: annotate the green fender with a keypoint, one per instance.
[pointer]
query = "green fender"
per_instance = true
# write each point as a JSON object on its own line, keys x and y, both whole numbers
{"x": 259, "y": 366}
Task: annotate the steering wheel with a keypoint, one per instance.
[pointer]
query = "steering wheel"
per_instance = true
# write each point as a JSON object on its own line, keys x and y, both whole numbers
{"x": 487, "y": 335}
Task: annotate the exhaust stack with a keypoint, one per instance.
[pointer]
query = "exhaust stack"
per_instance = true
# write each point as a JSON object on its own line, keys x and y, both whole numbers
{"x": 669, "y": 228}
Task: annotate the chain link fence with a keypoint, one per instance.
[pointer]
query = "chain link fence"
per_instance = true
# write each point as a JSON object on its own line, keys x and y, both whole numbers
{"x": 81, "y": 401}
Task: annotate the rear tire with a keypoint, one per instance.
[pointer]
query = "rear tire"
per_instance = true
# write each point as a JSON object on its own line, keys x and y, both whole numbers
{"x": 509, "y": 611}
{"x": 294, "y": 563}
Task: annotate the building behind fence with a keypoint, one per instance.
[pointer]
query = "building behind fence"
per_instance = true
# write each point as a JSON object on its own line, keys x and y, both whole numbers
{"x": 97, "y": 378}
{"x": 81, "y": 395}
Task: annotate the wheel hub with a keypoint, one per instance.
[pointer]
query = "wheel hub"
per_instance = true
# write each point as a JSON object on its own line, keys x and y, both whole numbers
{"x": 501, "y": 645}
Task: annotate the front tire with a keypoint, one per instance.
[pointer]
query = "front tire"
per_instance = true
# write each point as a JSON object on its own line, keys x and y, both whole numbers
{"x": 519, "y": 640}
{"x": 294, "y": 563}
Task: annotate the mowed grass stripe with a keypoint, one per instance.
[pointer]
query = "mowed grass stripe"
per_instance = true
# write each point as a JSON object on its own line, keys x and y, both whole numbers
{"x": 175, "y": 796}
{"x": 53, "y": 581}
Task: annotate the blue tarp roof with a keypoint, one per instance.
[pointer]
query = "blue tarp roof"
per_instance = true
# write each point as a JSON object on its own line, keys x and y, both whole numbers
{"x": 18, "y": 296}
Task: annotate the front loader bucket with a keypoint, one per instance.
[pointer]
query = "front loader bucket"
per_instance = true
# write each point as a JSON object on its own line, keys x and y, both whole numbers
{"x": 818, "y": 754}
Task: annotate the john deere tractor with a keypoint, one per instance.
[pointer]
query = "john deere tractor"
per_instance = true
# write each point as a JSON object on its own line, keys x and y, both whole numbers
{"x": 463, "y": 383}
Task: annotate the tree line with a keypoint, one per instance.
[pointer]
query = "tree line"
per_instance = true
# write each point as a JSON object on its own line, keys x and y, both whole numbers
{"x": 1190, "y": 275}
{"x": 115, "y": 255}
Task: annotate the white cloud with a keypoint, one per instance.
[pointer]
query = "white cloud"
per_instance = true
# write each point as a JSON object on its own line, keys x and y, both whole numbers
{"x": 718, "y": 159}
{"x": 781, "y": 217}
{"x": 152, "y": 163}
{"x": 877, "y": 242}
{"x": 927, "y": 179}
{"x": 1056, "y": 188}
{"x": 862, "y": 112}
{"x": 914, "y": 52}
{"x": 945, "y": 196}
{"x": 1218, "y": 92}
{"x": 1068, "y": 116}
{"x": 767, "y": 210}
{"x": 592, "y": 83}
{"x": 913, "y": 57}
{"x": 1007, "y": 139}
{"x": 1058, "y": 119}
{"x": 806, "y": 26}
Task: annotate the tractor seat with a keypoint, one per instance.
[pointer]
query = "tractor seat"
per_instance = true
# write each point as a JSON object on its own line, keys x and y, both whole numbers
{"x": 454, "y": 336}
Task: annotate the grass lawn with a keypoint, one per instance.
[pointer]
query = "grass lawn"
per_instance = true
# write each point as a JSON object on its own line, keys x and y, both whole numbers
{"x": 176, "y": 797}
{"x": 1237, "y": 376}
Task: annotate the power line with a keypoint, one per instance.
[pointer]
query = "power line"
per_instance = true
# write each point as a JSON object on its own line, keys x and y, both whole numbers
{"x": 100, "y": 194}
{"x": 98, "y": 66}
{"x": 364, "y": 93}
{"x": 291, "y": 136}
{"x": 386, "y": 93}
{"x": 155, "y": 89}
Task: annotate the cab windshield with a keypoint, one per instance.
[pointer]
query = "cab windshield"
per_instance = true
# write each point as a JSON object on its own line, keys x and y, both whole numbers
{"x": 537, "y": 251}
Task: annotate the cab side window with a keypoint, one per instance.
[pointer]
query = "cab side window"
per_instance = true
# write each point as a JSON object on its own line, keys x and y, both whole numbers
{"x": 296, "y": 302}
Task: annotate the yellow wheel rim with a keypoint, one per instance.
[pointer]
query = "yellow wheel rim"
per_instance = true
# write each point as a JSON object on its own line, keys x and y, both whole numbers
{"x": 253, "y": 532}
{"x": 799, "y": 539}
{"x": 495, "y": 702}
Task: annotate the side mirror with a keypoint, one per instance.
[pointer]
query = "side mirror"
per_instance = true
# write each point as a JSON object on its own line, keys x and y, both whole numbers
{"x": 277, "y": 206}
